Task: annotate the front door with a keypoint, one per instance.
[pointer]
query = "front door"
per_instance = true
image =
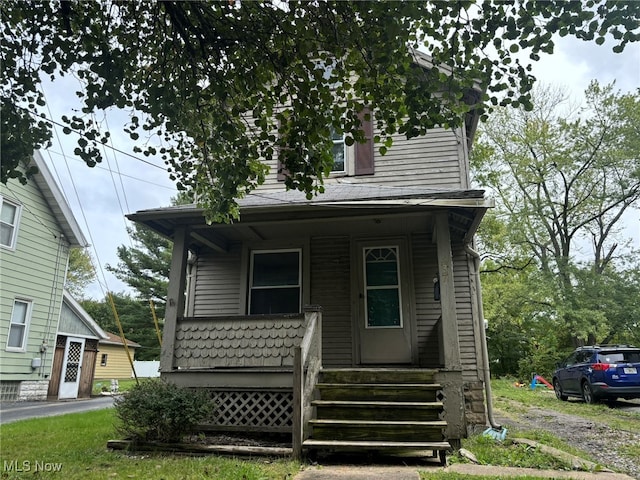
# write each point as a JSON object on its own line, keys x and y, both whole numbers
{"x": 384, "y": 319}
{"x": 71, "y": 366}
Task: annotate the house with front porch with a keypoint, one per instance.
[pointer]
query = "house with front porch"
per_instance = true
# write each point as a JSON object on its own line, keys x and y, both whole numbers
{"x": 352, "y": 320}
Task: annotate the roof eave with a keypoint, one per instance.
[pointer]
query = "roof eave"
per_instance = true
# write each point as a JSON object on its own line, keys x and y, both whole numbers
{"x": 63, "y": 213}
{"x": 83, "y": 315}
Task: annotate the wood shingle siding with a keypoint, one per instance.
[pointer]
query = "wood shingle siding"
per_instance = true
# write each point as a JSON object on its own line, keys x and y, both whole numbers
{"x": 238, "y": 341}
{"x": 331, "y": 288}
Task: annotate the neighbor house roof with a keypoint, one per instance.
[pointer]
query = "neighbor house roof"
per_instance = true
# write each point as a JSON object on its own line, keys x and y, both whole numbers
{"x": 54, "y": 197}
{"x": 83, "y": 316}
{"x": 113, "y": 339}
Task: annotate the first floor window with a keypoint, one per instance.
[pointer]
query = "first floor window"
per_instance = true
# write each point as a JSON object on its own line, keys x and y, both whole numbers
{"x": 19, "y": 323}
{"x": 103, "y": 360}
{"x": 275, "y": 282}
{"x": 9, "y": 215}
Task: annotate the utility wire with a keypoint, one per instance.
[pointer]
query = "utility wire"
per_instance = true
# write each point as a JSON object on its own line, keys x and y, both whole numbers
{"x": 53, "y": 122}
{"x": 106, "y": 169}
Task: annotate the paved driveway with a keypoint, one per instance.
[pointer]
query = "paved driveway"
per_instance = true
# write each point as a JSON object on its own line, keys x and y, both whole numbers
{"x": 12, "y": 412}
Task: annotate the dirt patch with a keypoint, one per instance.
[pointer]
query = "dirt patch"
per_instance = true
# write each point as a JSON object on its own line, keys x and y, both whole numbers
{"x": 603, "y": 444}
{"x": 247, "y": 440}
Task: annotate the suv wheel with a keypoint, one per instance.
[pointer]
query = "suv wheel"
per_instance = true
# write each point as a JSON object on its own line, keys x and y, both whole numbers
{"x": 558, "y": 390}
{"x": 587, "y": 393}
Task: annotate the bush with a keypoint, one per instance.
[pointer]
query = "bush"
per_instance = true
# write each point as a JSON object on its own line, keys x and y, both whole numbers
{"x": 158, "y": 411}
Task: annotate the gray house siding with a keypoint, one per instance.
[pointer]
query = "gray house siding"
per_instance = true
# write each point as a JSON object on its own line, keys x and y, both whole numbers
{"x": 331, "y": 289}
{"x": 469, "y": 356}
{"x": 218, "y": 283}
{"x": 427, "y": 309}
{"x": 432, "y": 159}
{"x": 436, "y": 159}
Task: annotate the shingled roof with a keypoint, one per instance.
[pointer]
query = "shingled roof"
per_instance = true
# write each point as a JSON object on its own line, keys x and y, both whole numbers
{"x": 335, "y": 194}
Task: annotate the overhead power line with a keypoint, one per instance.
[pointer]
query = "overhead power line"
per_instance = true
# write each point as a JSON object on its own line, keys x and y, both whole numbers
{"x": 53, "y": 122}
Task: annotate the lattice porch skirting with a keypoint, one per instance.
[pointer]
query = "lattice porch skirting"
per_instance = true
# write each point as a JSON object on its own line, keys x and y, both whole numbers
{"x": 251, "y": 410}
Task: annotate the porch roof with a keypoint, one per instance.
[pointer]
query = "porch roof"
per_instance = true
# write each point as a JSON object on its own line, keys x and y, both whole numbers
{"x": 339, "y": 201}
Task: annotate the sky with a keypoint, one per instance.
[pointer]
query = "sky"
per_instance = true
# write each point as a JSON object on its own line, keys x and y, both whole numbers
{"x": 101, "y": 196}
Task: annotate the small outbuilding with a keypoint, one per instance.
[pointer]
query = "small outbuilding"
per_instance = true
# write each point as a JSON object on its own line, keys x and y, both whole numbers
{"x": 112, "y": 361}
{"x": 75, "y": 352}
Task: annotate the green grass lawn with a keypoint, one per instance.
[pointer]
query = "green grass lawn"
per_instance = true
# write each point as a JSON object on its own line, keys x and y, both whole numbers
{"x": 74, "y": 447}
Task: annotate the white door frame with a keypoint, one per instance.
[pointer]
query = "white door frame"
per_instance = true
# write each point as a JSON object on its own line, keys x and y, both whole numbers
{"x": 71, "y": 368}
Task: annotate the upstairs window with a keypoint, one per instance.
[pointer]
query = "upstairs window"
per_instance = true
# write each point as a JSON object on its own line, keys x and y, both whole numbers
{"x": 20, "y": 316}
{"x": 339, "y": 153}
{"x": 355, "y": 160}
{"x": 275, "y": 282}
{"x": 9, "y": 217}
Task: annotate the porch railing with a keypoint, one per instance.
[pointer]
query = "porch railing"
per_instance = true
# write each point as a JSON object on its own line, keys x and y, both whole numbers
{"x": 307, "y": 363}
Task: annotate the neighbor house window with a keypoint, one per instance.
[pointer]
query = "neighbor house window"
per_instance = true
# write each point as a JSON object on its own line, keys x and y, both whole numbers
{"x": 9, "y": 216}
{"x": 275, "y": 282}
{"x": 19, "y": 323}
{"x": 103, "y": 360}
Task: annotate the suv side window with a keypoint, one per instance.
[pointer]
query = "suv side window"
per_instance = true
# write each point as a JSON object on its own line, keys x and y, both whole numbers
{"x": 571, "y": 360}
{"x": 584, "y": 356}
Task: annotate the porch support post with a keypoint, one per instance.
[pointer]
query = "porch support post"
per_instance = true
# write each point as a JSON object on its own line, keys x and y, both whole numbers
{"x": 450, "y": 341}
{"x": 175, "y": 297}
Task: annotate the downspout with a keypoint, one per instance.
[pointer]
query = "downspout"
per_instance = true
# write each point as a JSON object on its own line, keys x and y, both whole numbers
{"x": 483, "y": 337}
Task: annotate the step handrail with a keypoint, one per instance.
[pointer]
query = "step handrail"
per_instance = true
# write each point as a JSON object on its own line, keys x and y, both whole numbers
{"x": 307, "y": 363}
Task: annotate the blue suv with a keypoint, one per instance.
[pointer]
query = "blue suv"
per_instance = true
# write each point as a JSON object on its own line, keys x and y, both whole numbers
{"x": 599, "y": 372}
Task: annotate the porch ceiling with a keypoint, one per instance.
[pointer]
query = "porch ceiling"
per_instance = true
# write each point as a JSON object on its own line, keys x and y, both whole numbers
{"x": 342, "y": 209}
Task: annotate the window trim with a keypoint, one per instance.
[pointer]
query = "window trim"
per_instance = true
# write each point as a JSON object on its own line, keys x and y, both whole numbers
{"x": 252, "y": 254}
{"x": 26, "y": 324}
{"x": 103, "y": 359}
{"x": 16, "y": 220}
{"x": 347, "y": 154}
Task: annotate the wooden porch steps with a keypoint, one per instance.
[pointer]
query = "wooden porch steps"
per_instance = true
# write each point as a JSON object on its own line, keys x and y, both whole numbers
{"x": 367, "y": 445}
{"x": 378, "y": 409}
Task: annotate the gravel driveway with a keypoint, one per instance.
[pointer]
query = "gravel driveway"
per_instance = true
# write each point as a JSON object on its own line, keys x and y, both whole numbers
{"x": 602, "y": 443}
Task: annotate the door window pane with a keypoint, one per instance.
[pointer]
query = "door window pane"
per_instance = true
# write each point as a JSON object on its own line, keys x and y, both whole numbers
{"x": 383, "y": 308}
{"x": 275, "y": 283}
{"x": 382, "y": 287}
